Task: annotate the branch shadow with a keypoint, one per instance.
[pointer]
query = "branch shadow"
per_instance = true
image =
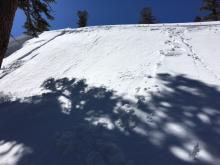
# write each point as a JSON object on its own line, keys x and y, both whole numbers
{"x": 74, "y": 123}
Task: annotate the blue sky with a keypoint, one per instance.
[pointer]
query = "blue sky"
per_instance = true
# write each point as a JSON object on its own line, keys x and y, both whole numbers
{"x": 106, "y": 12}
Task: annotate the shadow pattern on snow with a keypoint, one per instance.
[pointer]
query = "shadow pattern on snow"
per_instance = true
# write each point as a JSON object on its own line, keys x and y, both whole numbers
{"x": 77, "y": 124}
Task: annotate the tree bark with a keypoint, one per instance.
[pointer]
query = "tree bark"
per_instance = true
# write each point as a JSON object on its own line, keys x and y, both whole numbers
{"x": 7, "y": 12}
{"x": 214, "y": 11}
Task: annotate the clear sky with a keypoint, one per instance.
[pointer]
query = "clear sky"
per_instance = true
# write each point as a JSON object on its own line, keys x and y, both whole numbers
{"x": 106, "y": 12}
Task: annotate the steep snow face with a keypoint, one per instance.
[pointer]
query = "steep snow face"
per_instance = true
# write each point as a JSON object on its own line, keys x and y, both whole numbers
{"x": 126, "y": 59}
{"x": 113, "y": 95}
{"x": 16, "y": 43}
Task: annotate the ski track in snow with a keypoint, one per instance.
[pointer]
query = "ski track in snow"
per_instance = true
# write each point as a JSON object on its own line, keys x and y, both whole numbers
{"x": 198, "y": 59}
{"x": 21, "y": 60}
{"x": 180, "y": 40}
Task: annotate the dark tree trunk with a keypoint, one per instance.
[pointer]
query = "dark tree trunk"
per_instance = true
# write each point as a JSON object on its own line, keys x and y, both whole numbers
{"x": 215, "y": 14}
{"x": 214, "y": 10}
{"x": 7, "y": 12}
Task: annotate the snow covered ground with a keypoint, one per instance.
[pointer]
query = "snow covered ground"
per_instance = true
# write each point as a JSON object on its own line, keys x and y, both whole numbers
{"x": 16, "y": 43}
{"x": 113, "y": 95}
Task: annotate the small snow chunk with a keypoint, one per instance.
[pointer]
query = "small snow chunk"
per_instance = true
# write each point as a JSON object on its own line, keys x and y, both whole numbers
{"x": 195, "y": 151}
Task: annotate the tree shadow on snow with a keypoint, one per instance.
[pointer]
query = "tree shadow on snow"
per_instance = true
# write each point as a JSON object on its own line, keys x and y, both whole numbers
{"x": 74, "y": 123}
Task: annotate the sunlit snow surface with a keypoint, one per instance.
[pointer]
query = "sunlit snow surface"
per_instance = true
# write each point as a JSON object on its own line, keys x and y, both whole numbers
{"x": 135, "y": 94}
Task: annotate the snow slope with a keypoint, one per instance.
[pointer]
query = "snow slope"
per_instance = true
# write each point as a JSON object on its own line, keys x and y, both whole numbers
{"x": 16, "y": 44}
{"x": 134, "y": 94}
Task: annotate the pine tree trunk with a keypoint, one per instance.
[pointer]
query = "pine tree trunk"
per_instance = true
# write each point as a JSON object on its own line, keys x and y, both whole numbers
{"x": 214, "y": 11}
{"x": 7, "y": 12}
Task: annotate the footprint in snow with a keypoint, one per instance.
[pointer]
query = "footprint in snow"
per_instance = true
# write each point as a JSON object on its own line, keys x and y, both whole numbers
{"x": 150, "y": 117}
{"x": 137, "y": 89}
{"x": 167, "y": 42}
